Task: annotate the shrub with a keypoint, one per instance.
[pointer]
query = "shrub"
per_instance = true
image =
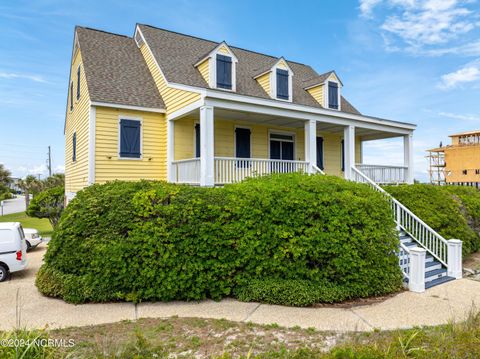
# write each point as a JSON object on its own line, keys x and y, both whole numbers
{"x": 292, "y": 292}
{"x": 48, "y": 204}
{"x": 144, "y": 240}
{"x": 454, "y": 212}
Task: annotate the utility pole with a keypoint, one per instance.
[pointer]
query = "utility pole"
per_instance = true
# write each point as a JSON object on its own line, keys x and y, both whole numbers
{"x": 49, "y": 164}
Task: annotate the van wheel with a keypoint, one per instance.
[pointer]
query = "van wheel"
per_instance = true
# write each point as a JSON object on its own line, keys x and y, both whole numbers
{"x": 29, "y": 246}
{"x": 4, "y": 274}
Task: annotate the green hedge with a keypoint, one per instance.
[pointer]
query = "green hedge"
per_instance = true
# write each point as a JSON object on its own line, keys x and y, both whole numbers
{"x": 452, "y": 211}
{"x": 140, "y": 241}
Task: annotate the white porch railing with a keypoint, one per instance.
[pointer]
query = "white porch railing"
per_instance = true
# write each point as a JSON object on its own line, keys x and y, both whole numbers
{"x": 404, "y": 260}
{"x": 384, "y": 174}
{"x": 186, "y": 171}
{"x": 423, "y": 234}
{"x": 231, "y": 170}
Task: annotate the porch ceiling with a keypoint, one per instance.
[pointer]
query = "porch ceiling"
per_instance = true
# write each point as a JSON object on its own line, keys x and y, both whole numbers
{"x": 365, "y": 133}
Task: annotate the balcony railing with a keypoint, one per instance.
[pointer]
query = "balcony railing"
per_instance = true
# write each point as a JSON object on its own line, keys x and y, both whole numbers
{"x": 384, "y": 174}
{"x": 231, "y": 170}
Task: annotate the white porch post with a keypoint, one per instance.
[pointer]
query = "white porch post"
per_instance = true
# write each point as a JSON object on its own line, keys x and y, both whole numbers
{"x": 311, "y": 144}
{"x": 206, "y": 146}
{"x": 454, "y": 258}
{"x": 416, "y": 281}
{"x": 349, "y": 150}
{"x": 171, "y": 176}
{"x": 408, "y": 157}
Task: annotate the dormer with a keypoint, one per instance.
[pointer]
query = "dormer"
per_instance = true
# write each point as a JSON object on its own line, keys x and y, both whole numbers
{"x": 326, "y": 90}
{"x": 276, "y": 81}
{"x": 218, "y": 68}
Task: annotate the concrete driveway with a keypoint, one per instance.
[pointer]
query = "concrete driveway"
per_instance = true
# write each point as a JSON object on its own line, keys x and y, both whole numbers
{"x": 14, "y": 205}
{"x": 439, "y": 305}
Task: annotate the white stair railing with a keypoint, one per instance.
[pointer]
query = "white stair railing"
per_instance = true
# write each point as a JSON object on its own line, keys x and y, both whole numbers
{"x": 422, "y": 233}
{"x": 404, "y": 260}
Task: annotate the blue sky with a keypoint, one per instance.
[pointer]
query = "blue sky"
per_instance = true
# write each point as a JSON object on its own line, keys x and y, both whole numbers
{"x": 407, "y": 60}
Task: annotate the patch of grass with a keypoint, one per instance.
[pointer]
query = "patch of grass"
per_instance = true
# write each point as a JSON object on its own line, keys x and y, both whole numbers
{"x": 42, "y": 225}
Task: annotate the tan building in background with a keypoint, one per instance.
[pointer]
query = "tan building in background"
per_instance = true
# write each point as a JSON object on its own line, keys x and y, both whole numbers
{"x": 457, "y": 163}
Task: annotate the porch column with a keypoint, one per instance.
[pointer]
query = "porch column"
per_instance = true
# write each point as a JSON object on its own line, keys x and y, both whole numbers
{"x": 171, "y": 177}
{"x": 207, "y": 146}
{"x": 408, "y": 157}
{"x": 349, "y": 150}
{"x": 311, "y": 144}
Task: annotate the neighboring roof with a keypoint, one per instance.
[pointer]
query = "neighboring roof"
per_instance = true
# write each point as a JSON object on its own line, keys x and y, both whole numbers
{"x": 115, "y": 70}
{"x": 477, "y": 132}
{"x": 177, "y": 54}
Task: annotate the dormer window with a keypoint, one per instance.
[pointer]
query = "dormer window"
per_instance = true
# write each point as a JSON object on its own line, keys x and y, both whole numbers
{"x": 333, "y": 95}
{"x": 282, "y": 84}
{"x": 224, "y": 72}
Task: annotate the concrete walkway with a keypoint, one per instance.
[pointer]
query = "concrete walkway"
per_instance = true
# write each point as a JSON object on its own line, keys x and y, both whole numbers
{"x": 439, "y": 305}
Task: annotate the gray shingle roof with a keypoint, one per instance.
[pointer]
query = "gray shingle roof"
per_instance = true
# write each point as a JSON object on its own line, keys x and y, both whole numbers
{"x": 116, "y": 71}
{"x": 177, "y": 54}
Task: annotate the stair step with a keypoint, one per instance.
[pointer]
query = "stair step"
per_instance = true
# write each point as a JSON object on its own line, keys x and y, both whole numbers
{"x": 432, "y": 265}
{"x": 410, "y": 244}
{"x": 438, "y": 281}
{"x": 434, "y": 274}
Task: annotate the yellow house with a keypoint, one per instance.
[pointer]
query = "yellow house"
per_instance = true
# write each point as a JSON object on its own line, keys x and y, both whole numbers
{"x": 168, "y": 106}
{"x": 457, "y": 163}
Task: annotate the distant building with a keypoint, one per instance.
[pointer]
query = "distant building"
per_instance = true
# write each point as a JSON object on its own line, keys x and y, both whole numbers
{"x": 457, "y": 163}
{"x": 14, "y": 184}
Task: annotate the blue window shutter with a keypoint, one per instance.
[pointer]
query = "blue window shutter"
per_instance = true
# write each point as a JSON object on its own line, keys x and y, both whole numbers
{"x": 74, "y": 147}
{"x": 224, "y": 72}
{"x": 320, "y": 153}
{"x": 71, "y": 96}
{"x": 282, "y": 84}
{"x": 130, "y": 138}
{"x": 78, "y": 83}
{"x": 343, "y": 155}
{"x": 197, "y": 140}
{"x": 333, "y": 95}
{"x": 242, "y": 142}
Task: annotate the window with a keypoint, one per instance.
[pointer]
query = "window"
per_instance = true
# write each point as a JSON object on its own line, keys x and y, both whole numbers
{"x": 320, "y": 153}
{"x": 197, "y": 140}
{"x": 130, "y": 139}
{"x": 282, "y": 84}
{"x": 78, "y": 83}
{"x": 342, "y": 149}
{"x": 74, "y": 147}
{"x": 71, "y": 96}
{"x": 464, "y": 172}
{"x": 224, "y": 72}
{"x": 281, "y": 146}
{"x": 333, "y": 95}
{"x": 477, "y": 172}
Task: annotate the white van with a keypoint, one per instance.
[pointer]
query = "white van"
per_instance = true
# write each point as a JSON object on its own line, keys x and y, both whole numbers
{"x": 13, "y": 249}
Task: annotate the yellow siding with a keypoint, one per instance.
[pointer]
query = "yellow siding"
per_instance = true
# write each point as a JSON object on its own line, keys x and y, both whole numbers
{"x": 224, "y": 50}
{"x": 184, "y": 132}
{"x": 358, "y": 150}
{"x": 76, "y": 173}
{"x": 264, "y": 81}
{"x": 109, "y": 167}
{"x": 174, "y": 99}
{"x": 332, "y": 77}
{"x": 282, "y": 65}
{"x": 204, "y": 69}
{"x": 317, "y": 93}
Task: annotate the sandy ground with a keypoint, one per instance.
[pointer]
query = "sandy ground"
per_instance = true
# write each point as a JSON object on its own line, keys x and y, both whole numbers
{"x": 22, "y": 305}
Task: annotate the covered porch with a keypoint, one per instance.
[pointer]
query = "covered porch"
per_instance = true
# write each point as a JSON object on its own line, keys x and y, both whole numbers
{"x": 214, "y": 145}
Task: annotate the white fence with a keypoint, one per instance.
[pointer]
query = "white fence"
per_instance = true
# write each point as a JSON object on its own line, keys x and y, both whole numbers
{"x": 384, "y": 174}
{"x": 186, "y": 171}
{"x": 231, "y": 170}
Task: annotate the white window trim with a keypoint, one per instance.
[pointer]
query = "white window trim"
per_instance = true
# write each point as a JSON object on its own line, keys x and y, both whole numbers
{"x": 139, "y": 119}
{"x": 326, "y": 104}
{"x": 195, "y": 123}
{"x": 281, "y": 132}
{"x": 235, "y": 140}
{"x": 273, "y": 82}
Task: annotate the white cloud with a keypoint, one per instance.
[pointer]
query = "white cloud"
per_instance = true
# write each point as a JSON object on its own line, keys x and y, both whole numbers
{"x": 466, "y": 74}
{"x": 418, "y": 25}
{"x": 457, "y": 116}
{"x": 13, "y": 75}
{"x": 59, "y": 169}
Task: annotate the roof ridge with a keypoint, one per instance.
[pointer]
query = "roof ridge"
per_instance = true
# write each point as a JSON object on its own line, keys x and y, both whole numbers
{"x": 215, "y": 42}
{"x": 104, "y": 31}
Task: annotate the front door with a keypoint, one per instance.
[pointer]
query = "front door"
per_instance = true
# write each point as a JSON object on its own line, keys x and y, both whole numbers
{"x": 281, "y": 148}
